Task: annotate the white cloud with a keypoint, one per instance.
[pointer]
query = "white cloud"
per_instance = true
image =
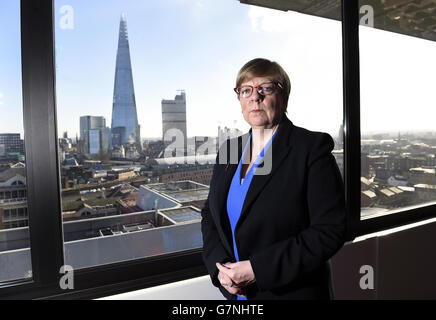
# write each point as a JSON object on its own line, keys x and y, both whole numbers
{"x": 1, "y": 95}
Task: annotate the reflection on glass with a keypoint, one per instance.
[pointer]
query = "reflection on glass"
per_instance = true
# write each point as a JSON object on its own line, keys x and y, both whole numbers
{"x": 141, "y": 118}
{"x": 398, "y": 136}
{"x": 15, "y": 260}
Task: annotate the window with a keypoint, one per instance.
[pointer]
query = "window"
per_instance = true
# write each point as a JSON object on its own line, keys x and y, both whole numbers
{"x": 15, "y": 259}
{"x": 169, "y": 81}
{"x": 398, "y": 137}
{"x": 122, "y": 191}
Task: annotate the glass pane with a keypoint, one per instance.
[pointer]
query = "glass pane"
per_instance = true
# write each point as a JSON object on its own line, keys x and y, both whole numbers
{"x": 398, "y": 135}
{"x": 15, "y": 260}
{"x": 154, "y": 68}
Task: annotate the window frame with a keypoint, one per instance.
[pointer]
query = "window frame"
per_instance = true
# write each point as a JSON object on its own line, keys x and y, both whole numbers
{"x": 43, "y": 175}
{"x": 352, "y": 153}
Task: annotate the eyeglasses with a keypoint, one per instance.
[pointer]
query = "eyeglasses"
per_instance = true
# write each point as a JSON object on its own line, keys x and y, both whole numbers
{"x": 264, "y": 89}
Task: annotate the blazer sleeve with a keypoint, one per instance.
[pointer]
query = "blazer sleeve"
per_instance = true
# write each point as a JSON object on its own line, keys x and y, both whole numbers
{"x": 213, "y": 250}
{"x": 285, "y": 261}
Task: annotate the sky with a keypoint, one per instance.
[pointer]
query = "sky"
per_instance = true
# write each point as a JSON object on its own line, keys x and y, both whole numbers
{"x": 199, "y": 46}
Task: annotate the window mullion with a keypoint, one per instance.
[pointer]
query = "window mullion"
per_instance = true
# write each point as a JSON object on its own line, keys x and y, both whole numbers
{"x": 45, "y": 223}
{"x": 351, "y": 91}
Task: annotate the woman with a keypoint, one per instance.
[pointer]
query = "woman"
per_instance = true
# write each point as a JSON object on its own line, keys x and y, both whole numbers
{"x": 269, "y": 230}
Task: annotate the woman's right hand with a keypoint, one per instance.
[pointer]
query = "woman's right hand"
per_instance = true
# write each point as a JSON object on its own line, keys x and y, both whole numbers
{"x": 229, "y": 285}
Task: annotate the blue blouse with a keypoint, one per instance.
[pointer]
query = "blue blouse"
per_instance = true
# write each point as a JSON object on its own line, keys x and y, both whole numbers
{"x": 238, "y": 191}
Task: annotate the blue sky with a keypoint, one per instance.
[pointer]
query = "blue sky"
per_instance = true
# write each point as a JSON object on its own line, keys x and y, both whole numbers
{"x": 199, "y": 46}
{"x": 11, "y": 105}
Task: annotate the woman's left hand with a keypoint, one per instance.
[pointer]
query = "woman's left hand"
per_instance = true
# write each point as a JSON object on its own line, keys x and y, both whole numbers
{"x": 241, "y": 272}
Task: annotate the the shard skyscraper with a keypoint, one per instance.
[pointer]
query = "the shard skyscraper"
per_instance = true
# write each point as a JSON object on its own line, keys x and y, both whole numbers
{"x": 125, "y": 128}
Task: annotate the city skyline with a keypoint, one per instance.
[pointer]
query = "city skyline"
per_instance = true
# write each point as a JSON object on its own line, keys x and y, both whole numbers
{"x": 311, "y": 64}
{"x": 117, "y": 207}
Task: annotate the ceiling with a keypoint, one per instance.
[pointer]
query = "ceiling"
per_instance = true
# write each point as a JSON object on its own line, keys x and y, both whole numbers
{"x": 414, "y": 18}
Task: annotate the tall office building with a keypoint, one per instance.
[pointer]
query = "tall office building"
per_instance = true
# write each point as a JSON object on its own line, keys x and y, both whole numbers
{"x": 90, "y": 122}
{"x": 94, "y": 135}
{"x": 174, "y": 116}
{"x": 125, "y": 128}
{"x": 11, "y": 145}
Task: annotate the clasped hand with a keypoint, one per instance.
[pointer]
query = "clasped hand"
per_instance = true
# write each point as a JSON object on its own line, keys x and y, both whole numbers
{"x": 234, "y": 277}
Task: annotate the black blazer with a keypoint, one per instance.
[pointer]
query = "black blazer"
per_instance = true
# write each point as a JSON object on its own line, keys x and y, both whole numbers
{"x": 292, "y": 220}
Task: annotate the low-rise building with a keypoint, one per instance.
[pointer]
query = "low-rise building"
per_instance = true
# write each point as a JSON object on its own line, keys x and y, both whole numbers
{"x": 13, "y": 198}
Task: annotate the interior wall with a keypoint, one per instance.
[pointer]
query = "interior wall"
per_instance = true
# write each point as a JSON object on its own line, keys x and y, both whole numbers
{"x": 403, "y": 261}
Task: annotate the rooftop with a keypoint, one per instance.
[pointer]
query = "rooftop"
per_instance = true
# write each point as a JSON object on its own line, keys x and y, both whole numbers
{"x": 422, "y": 170}
{"x": 369, "y": 193}
{"x": 106, "y": 242}
{"x": 187, "y": 214}
{"x": 425, "y": 186}
{"x": 13, "y": 239}
{"x": 387, "y": 192}
{"x": 12, "y": 172}
{"x": 365, "y": 181}
{"x": 408, "y": 189}
{"x": 182, "y": 191}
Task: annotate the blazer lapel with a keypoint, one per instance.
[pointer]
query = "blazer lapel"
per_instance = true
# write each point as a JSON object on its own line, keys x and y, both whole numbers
{"x": 223, "y": 183}
{"x": 280, "y": 147}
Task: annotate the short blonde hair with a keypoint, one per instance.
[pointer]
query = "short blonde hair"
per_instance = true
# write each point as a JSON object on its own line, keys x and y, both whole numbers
{"x": 260, "y": 67}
